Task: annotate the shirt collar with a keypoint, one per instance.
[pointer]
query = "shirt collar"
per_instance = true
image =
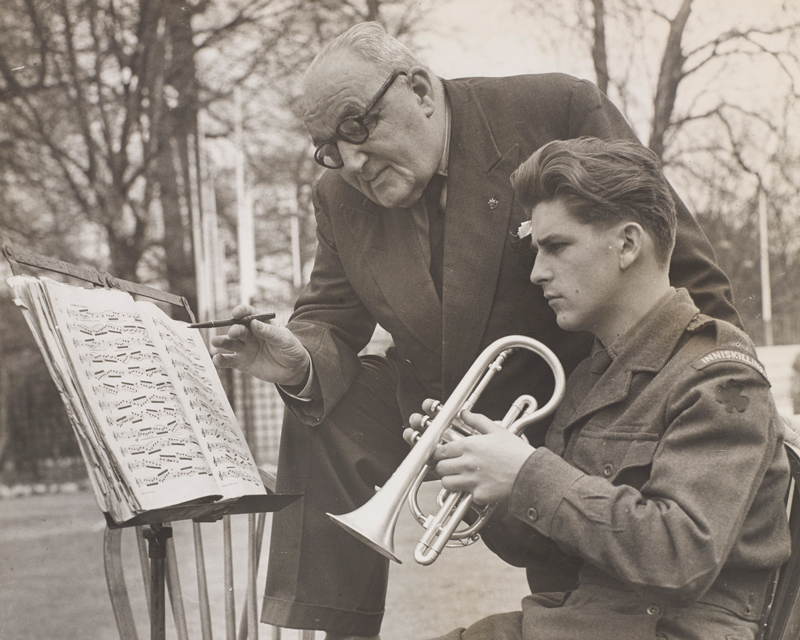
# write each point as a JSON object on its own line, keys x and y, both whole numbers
{"x": 442, "y": 168}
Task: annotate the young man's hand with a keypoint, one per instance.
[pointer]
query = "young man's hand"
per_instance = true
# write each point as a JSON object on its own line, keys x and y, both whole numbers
{"x": 484, "y": 465}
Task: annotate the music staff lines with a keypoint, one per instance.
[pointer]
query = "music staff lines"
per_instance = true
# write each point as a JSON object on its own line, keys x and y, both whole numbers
{"x": 148, "y": 421}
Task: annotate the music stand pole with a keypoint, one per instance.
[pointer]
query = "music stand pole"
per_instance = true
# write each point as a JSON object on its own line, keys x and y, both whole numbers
{"x": 157, "y": 536}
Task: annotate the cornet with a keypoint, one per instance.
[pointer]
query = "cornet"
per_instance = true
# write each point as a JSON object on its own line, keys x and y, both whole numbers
{"x": 374, "y": 523}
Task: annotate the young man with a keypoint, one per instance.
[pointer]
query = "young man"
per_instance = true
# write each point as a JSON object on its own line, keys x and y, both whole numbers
{"x": 663, "y": 475}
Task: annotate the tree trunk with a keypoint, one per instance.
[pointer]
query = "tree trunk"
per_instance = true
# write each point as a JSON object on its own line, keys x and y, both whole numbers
{"x": 373, "y": 11}
{"x": 174, "y": 124}
{"x": 669, "y": 78}
{"x": 599, "y": 56}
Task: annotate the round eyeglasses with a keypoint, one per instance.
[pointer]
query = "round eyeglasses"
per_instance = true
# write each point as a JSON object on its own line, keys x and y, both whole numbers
{"x": 352, "y": 129}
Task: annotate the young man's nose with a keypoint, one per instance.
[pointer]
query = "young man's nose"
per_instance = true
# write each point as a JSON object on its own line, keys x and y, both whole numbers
{"x": 540, "y": 272}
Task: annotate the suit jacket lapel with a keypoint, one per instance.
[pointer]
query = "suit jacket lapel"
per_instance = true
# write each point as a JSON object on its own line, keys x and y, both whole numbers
{"x": 479, "y": 199}
{"x": 391, "y": 249}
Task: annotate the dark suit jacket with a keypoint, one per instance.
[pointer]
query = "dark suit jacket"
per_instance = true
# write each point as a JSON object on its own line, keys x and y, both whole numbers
{"x": 369, "y": 267}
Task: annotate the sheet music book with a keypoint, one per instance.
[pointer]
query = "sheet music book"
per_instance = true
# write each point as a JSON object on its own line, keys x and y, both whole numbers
{"x": 154, "y": 425}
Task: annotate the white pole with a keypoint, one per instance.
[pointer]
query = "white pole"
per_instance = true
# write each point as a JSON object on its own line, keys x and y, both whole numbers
{"x": 194, "y": 203}
{"x": 766, "y": 289}
{"x": 245, "y": 242}
{"x": 216, "y": 254}
{"x": 244, "y": 215}
{"x": 297, "y": 266}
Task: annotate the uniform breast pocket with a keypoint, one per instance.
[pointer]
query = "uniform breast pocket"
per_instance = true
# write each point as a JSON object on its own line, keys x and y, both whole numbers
{"x": 620, "y": 457}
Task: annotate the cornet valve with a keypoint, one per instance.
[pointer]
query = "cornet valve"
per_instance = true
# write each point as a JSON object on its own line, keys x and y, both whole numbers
{"x": 411, "y": 436}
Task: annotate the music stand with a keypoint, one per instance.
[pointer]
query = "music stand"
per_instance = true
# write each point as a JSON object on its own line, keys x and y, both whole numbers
{"x": 156, "y": 532}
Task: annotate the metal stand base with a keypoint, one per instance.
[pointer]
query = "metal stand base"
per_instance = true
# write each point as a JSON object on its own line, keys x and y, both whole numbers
{"x": 157, "y": 536}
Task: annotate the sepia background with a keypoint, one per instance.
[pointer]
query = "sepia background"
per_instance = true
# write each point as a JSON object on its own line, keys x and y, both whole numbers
{"x": 159, "y": 140}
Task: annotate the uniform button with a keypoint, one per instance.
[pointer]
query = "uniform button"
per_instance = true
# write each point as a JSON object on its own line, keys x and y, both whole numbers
{"x": 533, "y": 514}
{"x": 608, "y": 470}
{"x": 653, "y": 610}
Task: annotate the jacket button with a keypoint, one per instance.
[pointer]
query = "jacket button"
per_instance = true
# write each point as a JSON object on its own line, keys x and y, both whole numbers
{"x": 533, "y": 514}
{"x": 653, "y": 610}
{"x": 608, "y": 470}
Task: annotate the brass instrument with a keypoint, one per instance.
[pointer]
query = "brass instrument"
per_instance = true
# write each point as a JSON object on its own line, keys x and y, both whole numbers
{"x": 374, "y": 523}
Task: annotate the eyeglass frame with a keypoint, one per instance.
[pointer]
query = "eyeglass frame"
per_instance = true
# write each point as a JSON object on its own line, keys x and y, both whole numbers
{"x": 359, "y": 119}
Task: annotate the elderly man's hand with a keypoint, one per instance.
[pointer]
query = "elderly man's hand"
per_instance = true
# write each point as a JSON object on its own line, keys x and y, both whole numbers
{"x": 262, "y": 350}
{"x": 484, "y": 465}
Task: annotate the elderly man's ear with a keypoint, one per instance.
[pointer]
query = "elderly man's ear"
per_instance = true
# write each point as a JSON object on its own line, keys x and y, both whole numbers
{"x": 423, "y": 86}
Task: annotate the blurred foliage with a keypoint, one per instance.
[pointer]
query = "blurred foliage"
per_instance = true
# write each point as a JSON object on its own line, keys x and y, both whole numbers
{"x": 33, "y": 423}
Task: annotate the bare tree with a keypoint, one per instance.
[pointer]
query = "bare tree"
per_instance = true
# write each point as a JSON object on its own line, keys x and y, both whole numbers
{"x": 100, "y": 101}
{"x": 697, "y": 85}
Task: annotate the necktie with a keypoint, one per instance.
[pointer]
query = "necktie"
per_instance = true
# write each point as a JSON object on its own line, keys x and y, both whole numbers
{"x": 433, "y": 194}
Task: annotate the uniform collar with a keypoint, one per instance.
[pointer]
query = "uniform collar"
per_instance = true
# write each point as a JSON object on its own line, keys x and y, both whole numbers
{"x": 650, "y": 342}
{"x": 647, "y": 346}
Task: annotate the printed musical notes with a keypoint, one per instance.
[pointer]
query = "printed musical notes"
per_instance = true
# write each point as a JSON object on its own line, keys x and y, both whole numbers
{"x": 144, "y": 397}
{"x": 207, "y": 403}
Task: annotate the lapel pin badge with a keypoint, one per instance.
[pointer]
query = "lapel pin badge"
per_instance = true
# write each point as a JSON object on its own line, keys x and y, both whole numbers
{"x": 493, "y": 203}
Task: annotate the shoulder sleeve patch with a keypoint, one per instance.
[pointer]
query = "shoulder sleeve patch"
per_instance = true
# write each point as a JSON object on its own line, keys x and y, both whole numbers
{"x": 730, "y": 355}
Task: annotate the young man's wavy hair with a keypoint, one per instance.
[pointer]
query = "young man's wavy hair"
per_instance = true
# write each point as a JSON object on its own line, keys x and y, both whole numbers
{"x": 602, "y": 183}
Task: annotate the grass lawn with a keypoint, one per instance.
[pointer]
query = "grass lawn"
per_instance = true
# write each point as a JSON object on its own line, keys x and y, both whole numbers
{"x": 52, "y": 583}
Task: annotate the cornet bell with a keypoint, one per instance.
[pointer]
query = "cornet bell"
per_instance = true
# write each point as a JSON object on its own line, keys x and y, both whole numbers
{"x": 379, "y": 538}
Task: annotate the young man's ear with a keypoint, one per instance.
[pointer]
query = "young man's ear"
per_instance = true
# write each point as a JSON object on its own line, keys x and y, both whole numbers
{"x": 633, "y": 238}
{"x": 422, "y": 84}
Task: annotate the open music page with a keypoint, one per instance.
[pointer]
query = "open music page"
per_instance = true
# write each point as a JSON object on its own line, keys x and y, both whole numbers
{"x": 144, "y": 397}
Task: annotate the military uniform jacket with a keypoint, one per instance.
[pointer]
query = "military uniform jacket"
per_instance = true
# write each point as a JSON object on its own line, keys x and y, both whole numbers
{"x": 667, "y": 477}
{"x": 369, "y": 266}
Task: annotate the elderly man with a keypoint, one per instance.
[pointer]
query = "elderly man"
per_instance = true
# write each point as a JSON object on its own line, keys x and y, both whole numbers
{"x": 663, "y": 473}
{"x": 417, "y": 231}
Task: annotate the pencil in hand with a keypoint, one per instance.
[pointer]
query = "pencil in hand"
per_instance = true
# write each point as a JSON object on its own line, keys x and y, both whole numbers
{"x": 232, "y": 321}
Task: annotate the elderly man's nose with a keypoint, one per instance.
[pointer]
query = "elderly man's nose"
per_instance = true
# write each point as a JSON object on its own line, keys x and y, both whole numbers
{"x": 353, "y": 156}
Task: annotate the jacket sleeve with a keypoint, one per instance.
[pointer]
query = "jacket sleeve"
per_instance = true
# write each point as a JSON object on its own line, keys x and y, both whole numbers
{"x": 548, "y": 568}
{"x": 672, "y": 537}
{"x": 331, "y": 322}
{"x": 693, "y": 265}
